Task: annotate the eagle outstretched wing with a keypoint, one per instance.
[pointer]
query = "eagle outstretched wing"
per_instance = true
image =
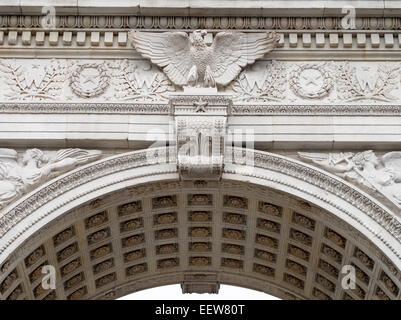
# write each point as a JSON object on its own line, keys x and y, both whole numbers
{"x": 234, "y": 50}
{"x": 168, "y": 50}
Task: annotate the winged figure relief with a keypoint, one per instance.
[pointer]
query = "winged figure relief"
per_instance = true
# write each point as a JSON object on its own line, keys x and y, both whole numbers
{"x": 191, "y": 62}
{"x": 380, "y": 174}
{"x": 19, "y": 175}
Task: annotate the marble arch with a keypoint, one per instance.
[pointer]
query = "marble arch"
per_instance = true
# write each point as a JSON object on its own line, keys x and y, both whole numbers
{"x": 83, "y": 98}
{"x": 127, "y": 223}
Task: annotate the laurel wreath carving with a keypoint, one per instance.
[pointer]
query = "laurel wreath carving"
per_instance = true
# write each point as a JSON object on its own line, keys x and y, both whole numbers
{"x": 300, "y": 91}
{"x": 49, "y": 87}
{"x": 83, "y": 92}
{"x": 349, "y": 88}
{"x": 272, "y": 89}
{"x": 128, "y": 88}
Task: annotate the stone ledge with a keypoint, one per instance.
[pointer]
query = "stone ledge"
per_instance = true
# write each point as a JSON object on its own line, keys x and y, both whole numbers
{"x": 201, "y": 7}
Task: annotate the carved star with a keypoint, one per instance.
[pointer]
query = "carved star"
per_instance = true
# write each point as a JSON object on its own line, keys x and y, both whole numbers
{"x": 201, "y": 106}
{"x": 90, "y": 77}
{"x": 311, "y": 79}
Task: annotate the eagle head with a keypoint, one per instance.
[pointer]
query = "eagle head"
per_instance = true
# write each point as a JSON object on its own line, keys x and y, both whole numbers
{"x": 198, "y": 37}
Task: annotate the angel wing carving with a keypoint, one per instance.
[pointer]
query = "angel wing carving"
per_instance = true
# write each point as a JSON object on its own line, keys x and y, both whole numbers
{"x": 392, "y": 161}
{"x": 380, "y": 174}
{"x": 191, "y": 62}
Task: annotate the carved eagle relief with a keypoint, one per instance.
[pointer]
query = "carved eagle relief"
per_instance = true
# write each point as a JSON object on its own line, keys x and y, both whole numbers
{"x": 191, "y": 62}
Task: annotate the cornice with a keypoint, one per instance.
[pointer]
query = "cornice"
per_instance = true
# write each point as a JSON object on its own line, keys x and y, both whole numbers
{"x": 385, "y": 40}
{"x": 208, "y": 8}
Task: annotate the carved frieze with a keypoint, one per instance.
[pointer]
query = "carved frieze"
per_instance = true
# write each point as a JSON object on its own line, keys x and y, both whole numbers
{"x": 256, "y": 89}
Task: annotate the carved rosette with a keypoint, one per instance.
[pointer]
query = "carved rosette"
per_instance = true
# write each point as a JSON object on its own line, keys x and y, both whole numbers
{"x": 200, "y": 127}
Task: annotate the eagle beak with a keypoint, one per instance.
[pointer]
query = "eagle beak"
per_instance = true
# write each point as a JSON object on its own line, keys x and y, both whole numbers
{"x": 203, "y": 33}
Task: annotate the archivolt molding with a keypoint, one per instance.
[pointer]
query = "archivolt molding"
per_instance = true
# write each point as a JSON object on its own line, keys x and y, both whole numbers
{"x": 59, "y": 193}
{"x": 324, "y": 181}
{"x": 58, "y": 187}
